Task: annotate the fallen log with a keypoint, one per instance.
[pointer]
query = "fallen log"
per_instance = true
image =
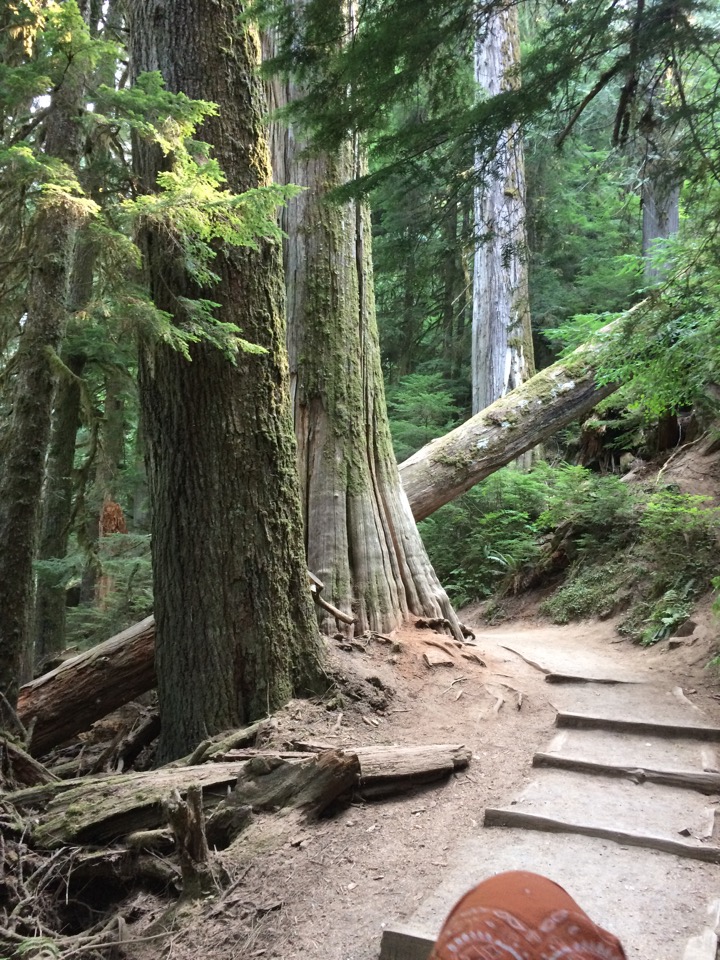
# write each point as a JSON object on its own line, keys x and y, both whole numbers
{"x": 107, "y": 809}
{"x": 70, "y": 698}
{"x": 388, "y": 770}
{"x": 447, "y": 467}
{"x": 384, "y": 771}
{"x": 18, "y": 768}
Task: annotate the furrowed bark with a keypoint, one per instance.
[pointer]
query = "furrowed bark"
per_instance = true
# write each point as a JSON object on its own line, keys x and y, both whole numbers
{"x": 502, "y": 348}
{"x": 49, "y": 625}
{"x": 27, "y": 435}
{"x": 361, "y": 539}
{"x": 236, "y": 633}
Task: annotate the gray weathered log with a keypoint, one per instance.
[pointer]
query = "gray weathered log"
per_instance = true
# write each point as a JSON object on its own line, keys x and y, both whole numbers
{"x": 385, "y": 770}
{"x": 447, "y": 467}
{"x": 389, "y": 770}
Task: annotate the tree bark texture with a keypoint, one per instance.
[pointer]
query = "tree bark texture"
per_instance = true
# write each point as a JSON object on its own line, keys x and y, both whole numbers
{"x": 361, "y": 539}
{"x": 57, "y": 507}
{"x": 49, "y": 623}
{"x": 236, "y": 633}
{"x": 445, "y": 468}
{"x": 661, "y": 217}
{"x": 27, "y": 435}
{"x": 502, "y": 351}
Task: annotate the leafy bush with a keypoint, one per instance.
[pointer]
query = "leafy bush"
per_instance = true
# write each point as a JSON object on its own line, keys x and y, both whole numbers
{"x": 492, "y": 538}
{"x": 487, "y": 536}
{"x": 670, "y": 555}
{"x": 601, "y": 510}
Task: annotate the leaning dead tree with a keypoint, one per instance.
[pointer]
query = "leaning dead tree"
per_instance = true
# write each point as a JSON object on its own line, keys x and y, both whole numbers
{"x": 447, "y": 467}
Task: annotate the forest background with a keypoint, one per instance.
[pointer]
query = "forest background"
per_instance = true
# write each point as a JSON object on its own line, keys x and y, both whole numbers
{"x": 617, "y": 105}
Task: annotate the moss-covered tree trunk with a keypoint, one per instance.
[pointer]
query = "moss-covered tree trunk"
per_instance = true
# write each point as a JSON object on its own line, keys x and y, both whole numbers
{"x": 502, "y": 351}
{"x": 26, "y": 436}
{"x": 236, "y": 634}
{"x": 360, "y": 535}
{"x": 448, "y": 466}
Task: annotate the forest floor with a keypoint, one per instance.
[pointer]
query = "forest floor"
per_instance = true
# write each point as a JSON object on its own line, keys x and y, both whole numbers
{"x": 330, "y": 892}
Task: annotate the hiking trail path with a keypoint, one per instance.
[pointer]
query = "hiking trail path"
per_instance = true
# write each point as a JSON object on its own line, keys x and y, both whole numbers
{"x": 621, "y": 808}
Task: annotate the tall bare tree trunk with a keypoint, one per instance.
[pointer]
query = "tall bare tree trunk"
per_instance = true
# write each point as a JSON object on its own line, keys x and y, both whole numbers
{"x": 33, "y": 383}
{"x": 360, "y": 535}
{"x": 236, "y": 633}
{"x": 49, "y": 620}
{"x": 502, "y": 351}
{"x": 660, "y": 193}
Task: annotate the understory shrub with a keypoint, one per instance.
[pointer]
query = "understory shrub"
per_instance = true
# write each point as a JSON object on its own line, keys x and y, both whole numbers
{"x": 650, "y": 553}
{"x": 500, "y": 535}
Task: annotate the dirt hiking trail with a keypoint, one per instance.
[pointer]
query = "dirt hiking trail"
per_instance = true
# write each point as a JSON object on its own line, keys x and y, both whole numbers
{"x": 620, "y": 807}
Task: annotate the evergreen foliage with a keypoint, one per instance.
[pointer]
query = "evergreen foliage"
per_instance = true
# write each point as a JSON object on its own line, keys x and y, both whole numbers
{"x": 420, "y": 408}
{"x": 578, "y": 51}
{"x": 57, "y": 57}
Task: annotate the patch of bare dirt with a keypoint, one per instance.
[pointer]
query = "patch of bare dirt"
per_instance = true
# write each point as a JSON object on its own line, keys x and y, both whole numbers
{"x": 693, "y": 468}
{"x": 329, "y": 892}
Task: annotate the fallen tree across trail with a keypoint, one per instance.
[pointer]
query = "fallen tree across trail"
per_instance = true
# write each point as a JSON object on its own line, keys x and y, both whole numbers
{"x": 449, "y": 466}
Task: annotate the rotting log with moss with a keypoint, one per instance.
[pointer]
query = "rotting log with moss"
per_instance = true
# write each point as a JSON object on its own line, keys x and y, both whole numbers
{"x": 447, "y": 467}
{"x": 235, "y": 785}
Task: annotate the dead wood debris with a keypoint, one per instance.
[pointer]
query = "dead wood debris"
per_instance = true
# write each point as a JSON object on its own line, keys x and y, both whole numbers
{"x": 71, "y": 850}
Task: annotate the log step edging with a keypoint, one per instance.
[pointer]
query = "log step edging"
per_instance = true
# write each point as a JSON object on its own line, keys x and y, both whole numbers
{"x": 588, "y": 721}
{"x": 503, "y": 817}
{"x": 703, "y": 782}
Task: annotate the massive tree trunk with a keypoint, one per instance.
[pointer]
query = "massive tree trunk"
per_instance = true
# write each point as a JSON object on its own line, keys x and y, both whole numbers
{"x": 27, "y": 435}
{"x": 502, "y": 351}
{"x": 361, "y": 538}
{"x": 445, "y": 468}
{"x": 236, "y": 633}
